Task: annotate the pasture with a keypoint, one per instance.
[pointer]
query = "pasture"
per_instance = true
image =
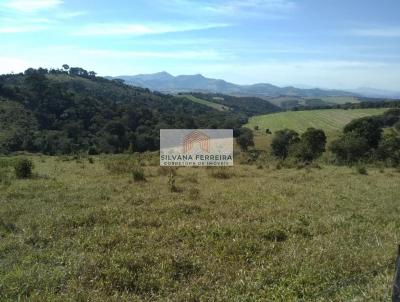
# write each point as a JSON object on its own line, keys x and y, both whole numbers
{"x": 84, "y": 230}
{"x": 206, "y": 103}
{"x": 330, "y": 120}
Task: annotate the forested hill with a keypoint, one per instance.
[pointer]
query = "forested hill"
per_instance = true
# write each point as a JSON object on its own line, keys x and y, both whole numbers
{"x": 72, "y": 110}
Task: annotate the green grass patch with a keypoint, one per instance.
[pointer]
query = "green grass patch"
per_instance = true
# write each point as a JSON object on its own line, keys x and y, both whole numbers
{"x": 206, "y": 103}
{"x": 330, "y": 120}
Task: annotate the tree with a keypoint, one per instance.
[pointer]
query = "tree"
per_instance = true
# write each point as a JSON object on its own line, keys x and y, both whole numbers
{"x": 316, "y": 140}
{"x": 369, "y": 128}
{"x": 245, "y": 139}
{"x": 282, "y": 141}
{"x": 311, "y": 145}
{"x": 389, "y": 149}
{"x": 351, "y": 147}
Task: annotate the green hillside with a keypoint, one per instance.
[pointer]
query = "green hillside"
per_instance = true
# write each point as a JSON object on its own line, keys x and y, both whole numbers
{"x": 288, "y": 102}
{"x": 62, "y": 112}
{"x": 205, "y": 102}
{"x": 327, "y": 119}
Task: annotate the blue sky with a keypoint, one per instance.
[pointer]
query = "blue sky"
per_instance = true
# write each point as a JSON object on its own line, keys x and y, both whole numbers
{"x": 319, "y": 43}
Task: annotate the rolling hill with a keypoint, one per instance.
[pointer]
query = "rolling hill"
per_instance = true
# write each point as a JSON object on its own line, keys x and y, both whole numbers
{"x": 56, "y": 112}
{"x": 330, "y": 120}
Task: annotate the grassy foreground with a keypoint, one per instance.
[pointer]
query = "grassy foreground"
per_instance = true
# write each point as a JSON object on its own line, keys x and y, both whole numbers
{"x": 330, "y": 120}
{"x": 81, "y": 232}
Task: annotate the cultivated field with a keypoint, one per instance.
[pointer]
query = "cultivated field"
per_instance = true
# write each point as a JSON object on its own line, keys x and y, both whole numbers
{"x": 330, "y": 120}
{"x": 84, "y": 230}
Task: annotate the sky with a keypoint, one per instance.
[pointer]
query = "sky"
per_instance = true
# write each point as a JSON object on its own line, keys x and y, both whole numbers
{"x": 341, "y": 44}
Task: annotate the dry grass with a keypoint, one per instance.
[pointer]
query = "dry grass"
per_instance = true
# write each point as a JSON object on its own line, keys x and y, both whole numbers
{"x": 85, "y": 234}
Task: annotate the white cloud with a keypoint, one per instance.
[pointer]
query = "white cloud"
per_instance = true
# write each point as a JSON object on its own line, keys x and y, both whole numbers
{"x": 21, "y": 29}
{"x": 30, "y": 6}
{"x": 252, "y": 7}
{"x": 384, "y": 32}
{"x": 271, "y": 9}
{"x": 109, "y": 29}
{"x": 116, "y": 54}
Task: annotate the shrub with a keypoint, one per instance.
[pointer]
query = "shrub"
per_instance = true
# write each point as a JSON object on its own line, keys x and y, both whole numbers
{"x": 138, "y": 174}
{"x": 171, "y": 183}
{"x": 245, "y": 139}
{"x": 349, "y": 148}
{"x": 369, "y": 128}
{"x": 397, "y": 127}
{"x": 389, "y": 149}
{"x": 23, "y": 168}
{"x": 311, "y": 145}
{"x": 362, "y": 170}
{"x": 282, "y": 141}
{"x": 275, "y": 235}
{"x": 92, "y": 151}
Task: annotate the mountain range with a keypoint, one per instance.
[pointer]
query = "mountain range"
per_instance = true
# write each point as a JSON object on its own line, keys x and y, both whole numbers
{"x": 165, "y": 82}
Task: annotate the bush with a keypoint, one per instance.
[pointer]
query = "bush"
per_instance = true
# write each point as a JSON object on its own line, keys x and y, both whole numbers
{"x": 275, "y": 235}
{"x": 349, "y": 148}
{"x": 389, "y": 149}
{"x": 23, "y": 168}
{"x": 171, "y": 183}
{"x": 245, "y": 139}
{"x": 138, "y": 174}
{"x": 362, "y": 170}
{"x": 368, "y": 128}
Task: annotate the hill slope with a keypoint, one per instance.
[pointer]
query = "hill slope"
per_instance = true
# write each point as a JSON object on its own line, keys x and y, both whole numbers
{"x": 72, "y": 113}
{"x": 166, "y": 82}
{"x": 328, "y": 120}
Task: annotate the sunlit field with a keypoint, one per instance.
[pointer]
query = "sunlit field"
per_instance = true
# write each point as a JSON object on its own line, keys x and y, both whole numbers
{"x": 82, "y": 229}
{"x": 329, "y": 120}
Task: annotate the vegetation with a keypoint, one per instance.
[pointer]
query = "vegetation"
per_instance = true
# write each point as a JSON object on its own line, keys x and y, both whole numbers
{"x": 329, "y": 120}
{"x": 245, "y": 106}
{"x": 362, "y": 139}
{"x": 204, "y": 102}
{"x": 84, "y": 233}
{"x": 23, "y": 168}
{"x": 245, "y": 139}
{"x": 70, "y": 111}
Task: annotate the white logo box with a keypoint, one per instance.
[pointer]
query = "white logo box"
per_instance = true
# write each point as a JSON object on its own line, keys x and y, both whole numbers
{"x": 196, "y": 147}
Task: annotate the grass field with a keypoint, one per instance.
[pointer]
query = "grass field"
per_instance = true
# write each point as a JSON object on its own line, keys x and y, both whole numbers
{"x": 338, "y": 99}
{"x": 82, "y": 231}
{"x": 207, "y": 103}
{"x": 329, "y": 100}
{"x": 330, "y": 120}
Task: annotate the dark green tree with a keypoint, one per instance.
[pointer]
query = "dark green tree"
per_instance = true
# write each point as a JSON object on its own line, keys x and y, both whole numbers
{"x": 282, "y": 142}
{"x": 245, "y": 139}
